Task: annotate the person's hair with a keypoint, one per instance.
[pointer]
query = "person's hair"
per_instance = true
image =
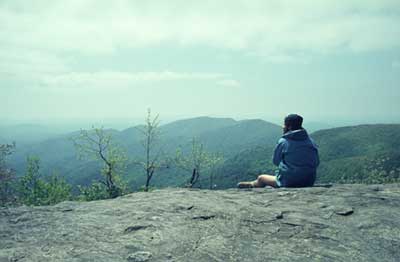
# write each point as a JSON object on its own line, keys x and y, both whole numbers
{"x": 294, "y": 121}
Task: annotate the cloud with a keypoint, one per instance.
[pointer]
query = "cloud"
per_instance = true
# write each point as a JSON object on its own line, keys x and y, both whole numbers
{"x": 116, "y": 79}
{"x": 19, "y": 62}
{"x": 38, "y": 40}
{"x": 264, "y": 27}
{"x": 229, "y": 83}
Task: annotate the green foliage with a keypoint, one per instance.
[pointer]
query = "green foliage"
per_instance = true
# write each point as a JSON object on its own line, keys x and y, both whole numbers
{"x": 245, "y": 166}
{"x": 7, "y": 176}
{"x": 377, "y": 169}
{"x": 197, "y": 161}
{"x": 152, "y": 151}
{"x": 96, "y": 191}
{"x": 98, "y": 145}
{"x": 359, "y": 154}
{"x": 34, "y": 191}
{"x": 58, "y": 190}
{"x": 144, "y": 189}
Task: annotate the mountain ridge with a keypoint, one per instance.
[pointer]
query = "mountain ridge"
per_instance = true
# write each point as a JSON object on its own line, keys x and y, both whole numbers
{"x": 247, "y": 146}
{"x": 57, "y": 153}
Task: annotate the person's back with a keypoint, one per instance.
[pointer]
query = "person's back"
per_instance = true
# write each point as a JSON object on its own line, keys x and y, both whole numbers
{"x": 296, "y": 156}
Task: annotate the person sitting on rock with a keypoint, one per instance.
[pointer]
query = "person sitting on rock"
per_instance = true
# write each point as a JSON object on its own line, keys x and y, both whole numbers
{"x": 296, "y": 156}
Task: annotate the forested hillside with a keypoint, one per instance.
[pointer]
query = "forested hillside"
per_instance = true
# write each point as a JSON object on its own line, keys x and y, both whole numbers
{"x": 365, "y": 153}
{"x": 223, "y": 136}
{"x": 356, "y": 154}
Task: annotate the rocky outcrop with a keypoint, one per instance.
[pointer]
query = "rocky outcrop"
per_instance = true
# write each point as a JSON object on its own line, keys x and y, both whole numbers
{"x": 339, "y": 223}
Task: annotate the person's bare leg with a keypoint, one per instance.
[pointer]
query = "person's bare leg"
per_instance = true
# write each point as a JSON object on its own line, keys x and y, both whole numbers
{"x": 265, "y": 180}
{"x": 261, "y": 181}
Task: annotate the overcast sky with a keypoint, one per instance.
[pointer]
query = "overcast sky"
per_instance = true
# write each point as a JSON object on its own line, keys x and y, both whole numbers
{"x": 113, "y": 59}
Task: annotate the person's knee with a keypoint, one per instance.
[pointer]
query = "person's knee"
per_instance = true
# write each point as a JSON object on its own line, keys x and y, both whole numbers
{"x": 261, "y": 180}
{"x": 266, "y": 180}
{"x": 263, "y": 176}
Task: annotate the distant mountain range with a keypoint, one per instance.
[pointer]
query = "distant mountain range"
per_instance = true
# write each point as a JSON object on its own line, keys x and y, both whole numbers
{"x": 25, "y": 133}
{"x": 348, "y": 154}
{"x": 225, "y": 136}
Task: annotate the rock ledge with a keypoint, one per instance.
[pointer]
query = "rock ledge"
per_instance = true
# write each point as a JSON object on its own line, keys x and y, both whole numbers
{"x": 340, "y": 223}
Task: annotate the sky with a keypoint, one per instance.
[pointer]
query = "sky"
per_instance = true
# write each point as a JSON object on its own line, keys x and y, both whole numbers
{"x": 91, "y": 59}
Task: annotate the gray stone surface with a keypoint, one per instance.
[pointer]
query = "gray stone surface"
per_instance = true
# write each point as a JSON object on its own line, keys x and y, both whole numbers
{"x": 341, "y": 223}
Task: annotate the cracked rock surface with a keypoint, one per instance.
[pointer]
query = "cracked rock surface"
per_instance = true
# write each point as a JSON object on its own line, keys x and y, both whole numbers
{"x": 339, "y": 223}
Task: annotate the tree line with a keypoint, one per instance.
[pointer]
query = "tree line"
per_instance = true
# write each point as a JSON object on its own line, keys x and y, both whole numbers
{"x": 33, "y": 188}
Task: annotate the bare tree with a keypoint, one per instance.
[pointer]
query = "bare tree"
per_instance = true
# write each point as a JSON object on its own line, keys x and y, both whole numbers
{"x": 7, "y": 175}
{"x": 98, "y": 145}
{"x": 197, "y": 161}
{"x": 150, "y": 142}
{"x": 213, "y": 171}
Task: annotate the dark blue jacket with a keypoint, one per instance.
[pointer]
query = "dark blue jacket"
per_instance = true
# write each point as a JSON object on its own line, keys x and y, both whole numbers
{"x": 296, "y": 155}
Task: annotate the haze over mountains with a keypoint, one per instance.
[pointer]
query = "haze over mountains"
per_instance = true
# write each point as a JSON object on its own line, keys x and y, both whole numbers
{"x": 34, "y": 131}
{"x": 348, "y": 153}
